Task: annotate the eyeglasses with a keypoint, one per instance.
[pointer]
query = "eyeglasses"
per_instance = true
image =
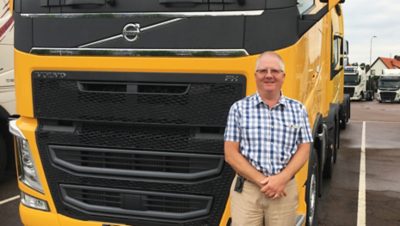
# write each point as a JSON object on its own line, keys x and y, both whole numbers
{"x": 265, "y": 71}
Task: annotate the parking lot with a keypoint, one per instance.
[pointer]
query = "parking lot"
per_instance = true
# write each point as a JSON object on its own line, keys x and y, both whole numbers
{"x": 343, "y": 200}
{"x": 340, "y": 204}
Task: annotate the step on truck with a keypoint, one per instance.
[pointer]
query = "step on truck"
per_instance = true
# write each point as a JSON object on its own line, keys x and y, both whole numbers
{"x": 123, "y": 104}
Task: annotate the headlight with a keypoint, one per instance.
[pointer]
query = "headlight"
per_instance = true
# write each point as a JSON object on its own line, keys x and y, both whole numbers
{"x": 27, "y": 169}
{"x": 33, "y": 202}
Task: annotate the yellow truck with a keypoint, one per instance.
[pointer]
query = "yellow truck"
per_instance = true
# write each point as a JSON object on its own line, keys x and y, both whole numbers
{"x": 7, "y": 97}
{"x": 123, "y": 104}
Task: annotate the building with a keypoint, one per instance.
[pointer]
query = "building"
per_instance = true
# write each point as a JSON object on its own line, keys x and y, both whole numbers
{"x": 381, "y": 63}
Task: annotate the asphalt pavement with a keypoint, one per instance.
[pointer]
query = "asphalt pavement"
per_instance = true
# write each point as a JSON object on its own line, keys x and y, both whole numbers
{"x": 339, "y": 204}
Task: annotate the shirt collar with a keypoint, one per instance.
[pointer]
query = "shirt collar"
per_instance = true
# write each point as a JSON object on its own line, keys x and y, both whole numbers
{"x": 282, "y": 100}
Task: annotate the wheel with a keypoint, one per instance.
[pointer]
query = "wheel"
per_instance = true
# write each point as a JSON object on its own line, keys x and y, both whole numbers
{"x": 330, "y": 161}
{"x": 3, "y": 157}
{"x": 331, "y": 149}
{"x": 337, "y": 141}
{"x": 371, "y": 96}
{"x": 345, "y": 114}
{"x": 312, "y": 190}
{"x": 348, "y": 110}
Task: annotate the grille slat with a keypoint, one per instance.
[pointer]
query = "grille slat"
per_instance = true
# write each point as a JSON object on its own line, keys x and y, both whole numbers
{"x": 127, "y": 158}
{"x": 178, "y": 206}
{"x": 92, "y": 200}
{"x": 188, "y": 166}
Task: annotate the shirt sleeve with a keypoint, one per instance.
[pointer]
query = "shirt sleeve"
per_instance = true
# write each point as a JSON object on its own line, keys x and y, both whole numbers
{"x": 305, "y": 130}
{"x": 232, "y": 129}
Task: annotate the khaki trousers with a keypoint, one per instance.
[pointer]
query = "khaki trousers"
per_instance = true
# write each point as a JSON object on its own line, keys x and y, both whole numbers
{"x": 253, "y": 208}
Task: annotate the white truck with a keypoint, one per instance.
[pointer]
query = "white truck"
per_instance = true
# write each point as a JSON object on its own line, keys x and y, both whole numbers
{"x": 389, "y": 86}
{"x": 7, "y": 97}
{"x": 357, "y": 83}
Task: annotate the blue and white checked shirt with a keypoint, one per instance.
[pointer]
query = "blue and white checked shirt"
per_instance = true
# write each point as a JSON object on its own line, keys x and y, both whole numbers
{"x": 268, "y": 137}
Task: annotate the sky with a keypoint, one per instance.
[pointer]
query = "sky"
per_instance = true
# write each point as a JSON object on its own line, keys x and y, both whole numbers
{"x": 365, "y": 18}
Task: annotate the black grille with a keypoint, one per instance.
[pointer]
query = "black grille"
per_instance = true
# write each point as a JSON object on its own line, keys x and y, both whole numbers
{"x": 349, "y": 90}
{"x": 128, "y": 149}
{"x": 131, "y": 163}
{"x": 139, "y": 137}
{"x": 388, "y": 96}
{"x": 119, "y": 202}
{"x": 135, "y": 98}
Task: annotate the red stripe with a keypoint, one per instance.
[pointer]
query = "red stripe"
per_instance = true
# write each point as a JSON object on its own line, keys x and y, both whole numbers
{"x": 5, "y": 27}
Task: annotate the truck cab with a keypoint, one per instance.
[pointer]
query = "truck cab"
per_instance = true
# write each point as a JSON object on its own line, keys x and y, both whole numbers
{"x": 123, "y": 104}
{"x": 389, "y": 86}
{"x": 357, "y": 83}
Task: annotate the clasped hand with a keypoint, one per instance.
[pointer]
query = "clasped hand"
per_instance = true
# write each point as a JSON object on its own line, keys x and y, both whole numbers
{"x": 273, "y": 186}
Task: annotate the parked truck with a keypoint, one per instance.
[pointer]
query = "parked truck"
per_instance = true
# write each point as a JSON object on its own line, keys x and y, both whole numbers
{"x": 123, "y": 104}
{"x": 389, "y": 86}
{"x": 357, "y": 83}
{"x": 7, "y": 97}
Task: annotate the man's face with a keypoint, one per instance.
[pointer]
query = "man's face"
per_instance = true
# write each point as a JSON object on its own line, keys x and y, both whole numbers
{"x": 269, "y": 75}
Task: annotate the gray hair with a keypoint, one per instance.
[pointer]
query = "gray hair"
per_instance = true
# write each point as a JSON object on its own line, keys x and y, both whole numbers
{"x": 272, "y": 54}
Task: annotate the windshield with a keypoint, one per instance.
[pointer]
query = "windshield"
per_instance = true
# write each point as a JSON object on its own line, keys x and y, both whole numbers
{"x": 351, "y": 79}
{"x": 383, "y": 83}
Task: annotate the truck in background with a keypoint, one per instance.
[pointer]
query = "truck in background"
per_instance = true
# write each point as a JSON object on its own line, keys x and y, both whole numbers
{"x": 357, "y": 83}
{"x": 389, "y": 86}
{"x": 7, "y": 97}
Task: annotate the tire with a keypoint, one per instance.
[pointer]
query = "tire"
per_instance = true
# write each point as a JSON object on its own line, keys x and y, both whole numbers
{"x": 330, "y": 161}
{"x": 331, "y": 149}
{"x": 336, "y": 141}
{"x": 345, "y": 113}
{"x": 312, "y": 190}
{"x": 371, "y": 96}
{"x": 3, "y": 157}
{"x": 348, "y": 107}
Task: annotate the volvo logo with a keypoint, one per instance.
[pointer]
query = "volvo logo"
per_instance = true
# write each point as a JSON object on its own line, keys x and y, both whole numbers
{"x": 131, "y": 32}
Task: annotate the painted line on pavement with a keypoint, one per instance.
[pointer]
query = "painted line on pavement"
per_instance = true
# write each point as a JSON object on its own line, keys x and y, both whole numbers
{"x": 361, "y": 217}
{"x": 9, "y": 200}
{"x": 375, "y": 121}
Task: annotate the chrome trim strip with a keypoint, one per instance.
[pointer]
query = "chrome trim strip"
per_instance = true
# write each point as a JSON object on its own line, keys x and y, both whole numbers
{"x": 143, "y": 14}
{"x": 140, "y": 52}
{"x": 121, "y": 36}
{"x": 161, "y": 24}
{"x": 101, "y": 41}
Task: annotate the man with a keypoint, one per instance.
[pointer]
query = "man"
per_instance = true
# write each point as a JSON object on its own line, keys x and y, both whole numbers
{"x": 267, "y": 141}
